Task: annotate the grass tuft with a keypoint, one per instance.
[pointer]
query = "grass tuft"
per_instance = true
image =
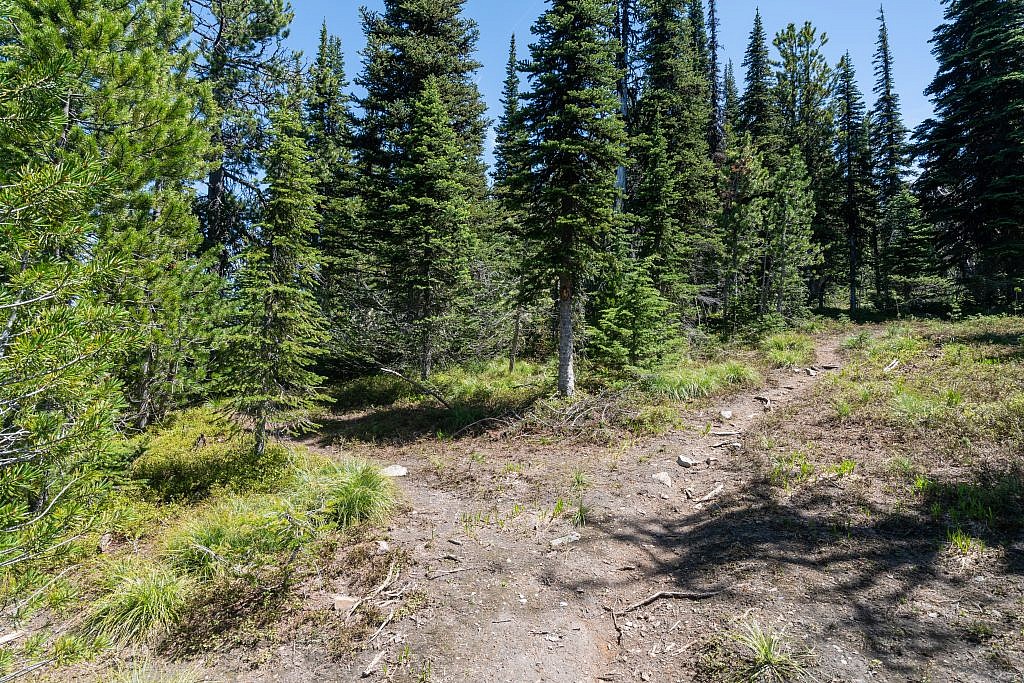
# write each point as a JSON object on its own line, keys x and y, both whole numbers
{"x": 788, "y": 350}
{"x": 770, "y": 657}
{"x": 142, "y": 597}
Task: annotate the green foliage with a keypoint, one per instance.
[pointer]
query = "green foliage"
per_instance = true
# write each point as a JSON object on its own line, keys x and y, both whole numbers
{"x": 199, "y": 450}
{"x": 357, "y": 492}
{"x": 235, "y": 536}
{"x": 278, "y": 325}
{"x": 141, "y": 597}
{"x": 145, "y": 672}
{"x": 61, "y": 341}
{"x": 791, "y": 470}
{"x": 688, "y": 381}
{"x": 972, "y": 143}
{"x": 770, "y": 657}
{"x": 788, "y": 349}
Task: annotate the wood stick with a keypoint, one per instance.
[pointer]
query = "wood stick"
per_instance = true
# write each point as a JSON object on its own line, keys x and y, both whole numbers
{"x": 668, "y": 595}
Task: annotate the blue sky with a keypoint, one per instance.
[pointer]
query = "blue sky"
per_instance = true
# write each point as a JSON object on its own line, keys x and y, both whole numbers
{"x": 850, "y": 24}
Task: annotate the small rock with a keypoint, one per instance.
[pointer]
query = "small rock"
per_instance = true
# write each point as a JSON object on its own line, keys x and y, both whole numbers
{"x": 726, "y": 414}
{"x": 686, "y": 462}
{"x": 812, "y": 372}
{"x": 663, "y": 478}
{"x": 565, "y": 540}
{"x": 712, "y": 460}
{"x": 395, "y": 471}
{"x": 383, "y": 547}
{"x": 343, "y": 603}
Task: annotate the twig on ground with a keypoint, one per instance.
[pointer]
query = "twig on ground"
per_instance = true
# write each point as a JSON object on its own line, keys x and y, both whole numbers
{"x": 437, "y": 575}
{"x": 668, "y": 595}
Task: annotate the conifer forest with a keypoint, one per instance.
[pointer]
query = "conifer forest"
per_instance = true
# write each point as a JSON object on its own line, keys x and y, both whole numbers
{"x": 672, "y": 367}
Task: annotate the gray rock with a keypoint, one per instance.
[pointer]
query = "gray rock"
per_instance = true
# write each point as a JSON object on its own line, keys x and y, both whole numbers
{"x": 343, "y": 603}
{"x": 686, "y": 462}
{"x": 395, "y": 471}
{"x": 663, "y": 478}
{"x": 565, "y": 540}
{"x": 726, "y": 414}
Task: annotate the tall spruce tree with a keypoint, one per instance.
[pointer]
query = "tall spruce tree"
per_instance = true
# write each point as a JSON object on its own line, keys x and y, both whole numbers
{"x": 61, "y": 340}
{"x": 577, "y": 141}
{"x": 671, "y": 194}
{"x": 278, "y": 329}
{"x": 892, "y": 156}
{"x": 972, "y": 151}
{"x": 430, "y": 214}
{"x": 510, "y": 131}
{"x": 758, "y": 110}
{"x": 854, "y": 154}
{"x": 731, "y": 101}
{"x": 716, "y": 127}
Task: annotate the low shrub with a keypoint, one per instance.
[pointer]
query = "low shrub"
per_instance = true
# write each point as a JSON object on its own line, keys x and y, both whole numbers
{"x": 141, "y": 597}
{"x": 199, "y": 450}
{"x": 345, "y": 494}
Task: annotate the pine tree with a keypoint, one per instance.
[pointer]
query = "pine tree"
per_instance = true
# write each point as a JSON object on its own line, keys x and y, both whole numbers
{"x": 60, "y": 340}
{"x": 242, "y": 60}
{"x": 804, "y": 89}
{"x": 431, "y": 216}
{"x": 278, "y": 327}
{"x": 972, "y": 152}
{"x": 701, "y": 42}
{"x": 915, "y": 273}
{"x": 854, "y": 155}
{"x": 577, "y": 142}
{"x": 758, "y": 113}
{"x": 134, "y": 104}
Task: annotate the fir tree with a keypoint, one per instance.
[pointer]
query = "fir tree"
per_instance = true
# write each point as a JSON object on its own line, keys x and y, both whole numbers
{"x": 915, "y": 273}
{"x": 510, "y": 131}
{"x": 757, "y": 106}
{"x": 576, "y": 143}
{"x": 716, "y": 128}
{"x": 278, "y": 327}
{"x": 431, "y": 216}
{"x": 731, "y": 95}
{"x": 890, "y": 135}
{"x": 972, "y": 152}
{"x": 854, "y": 155}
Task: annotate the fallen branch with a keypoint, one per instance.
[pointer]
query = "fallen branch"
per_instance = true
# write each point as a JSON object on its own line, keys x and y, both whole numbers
{"x": 437, "y": 575}
{"x": 718, "y": 489}
{"x": 368, "y": 671}
{"x": 667, "y": 595}
{"x": 423, "y": 388}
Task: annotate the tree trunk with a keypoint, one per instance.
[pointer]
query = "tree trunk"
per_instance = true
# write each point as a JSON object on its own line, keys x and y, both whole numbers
{"x": 566, "y": 374}
{"x": 259, "y": 433}
{"x": 513, "y": 351}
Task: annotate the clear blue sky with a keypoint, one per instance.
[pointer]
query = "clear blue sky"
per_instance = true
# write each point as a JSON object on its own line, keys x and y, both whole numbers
{"x": 850, "y": 24}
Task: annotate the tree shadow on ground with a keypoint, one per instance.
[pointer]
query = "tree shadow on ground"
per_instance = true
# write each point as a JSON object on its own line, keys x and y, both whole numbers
{"x": 853, "y": 577}
{"x": 402, "y": 425}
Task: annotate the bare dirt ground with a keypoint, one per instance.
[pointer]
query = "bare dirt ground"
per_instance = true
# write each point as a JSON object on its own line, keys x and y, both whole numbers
{"x": 505, "y": 591}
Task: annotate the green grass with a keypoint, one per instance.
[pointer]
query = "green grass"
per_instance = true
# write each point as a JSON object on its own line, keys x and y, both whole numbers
{"x": 768, "y": 656}
{"x": 686, "y": 382}
{"x": 788, "y": 350}
{"x": 791, "y": 470}
{"x": 234, "y": 535}
{"x": 963, "y": 544}
{"x": 141, "y": 597}
{"x": 198, "y": 451}
{"x": 144, "y": 672}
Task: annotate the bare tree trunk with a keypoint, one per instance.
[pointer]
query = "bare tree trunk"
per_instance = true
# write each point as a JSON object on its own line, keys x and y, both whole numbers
{"x": 566, "y": 374}
{"x": 259, "y": 433}
{"x": 513, "y": 351}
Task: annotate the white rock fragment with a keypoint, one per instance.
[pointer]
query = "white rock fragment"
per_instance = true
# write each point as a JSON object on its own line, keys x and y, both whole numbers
{"x": 395, "y": 471}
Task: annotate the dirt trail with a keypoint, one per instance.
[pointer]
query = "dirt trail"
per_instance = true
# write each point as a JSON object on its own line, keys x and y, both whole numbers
{"x": 506, "y": 601}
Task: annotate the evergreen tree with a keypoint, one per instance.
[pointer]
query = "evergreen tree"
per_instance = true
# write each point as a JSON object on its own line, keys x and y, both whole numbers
{"x": 278, "y": 326}
{"x": 892, "y": 156}
{"x": 577, "y": 142}
{"x": 972, "y": 151}
{"x": 757, "y": 106}
{"x": 716, "y": 128}
{"x": 804, "y": 89}
{"x": 915, "y": 274}
{"x": 134, "y": 105}
{"x": 60, "y": 340}
{"x": 701, "y": 42}
{"x": 854, "y": 155}
{"x": 431, "y": 216}
{"x": 671, "y": 194}
{"x": 731, "y": 94}
{"x": 242, "y": 60}
{"x": 510, "y": 131}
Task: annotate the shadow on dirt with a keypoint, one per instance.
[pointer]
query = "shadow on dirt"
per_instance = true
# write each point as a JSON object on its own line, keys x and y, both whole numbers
{"x": 849, "y": 574}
